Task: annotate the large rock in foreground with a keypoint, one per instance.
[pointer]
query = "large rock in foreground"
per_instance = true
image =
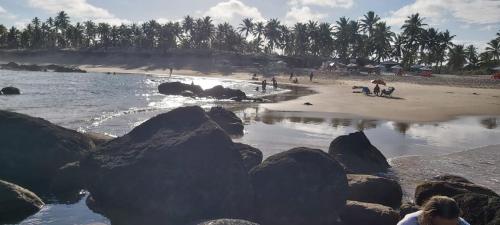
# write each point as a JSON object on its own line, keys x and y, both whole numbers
{"x": 428, "y": 189}
{"x": 226, "y": 119}
{"x": 373, "y": 189}
{"x": 176, "y": 168}
{"x": 479, "y": 209}
{"x": 357, "y": 154}
{"x": 10, "y": 91}
{"x": 356, "y": 213}
{"x": 299, "y": 187}
{"x": 17, "y": 203}
{"x": 33, "y": 149}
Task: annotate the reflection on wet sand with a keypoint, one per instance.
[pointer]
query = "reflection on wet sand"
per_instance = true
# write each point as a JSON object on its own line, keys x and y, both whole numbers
{"x": 489, "y": 123}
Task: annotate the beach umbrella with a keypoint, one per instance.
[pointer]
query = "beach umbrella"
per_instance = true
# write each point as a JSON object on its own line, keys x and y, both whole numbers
{"x": 352, "y": 65}
{"x": 378, "y": 81}
{"x": 370, "y": 66}
{"x": 397, "y": 67}
{"x": 332, "y": 64}
{"x": 380, "y": 66}
{"x": 425, "y": 69}
{"x": 496, "y": 68}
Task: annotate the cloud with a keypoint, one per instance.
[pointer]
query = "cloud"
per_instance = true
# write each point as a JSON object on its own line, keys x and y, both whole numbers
{"x": 5, "y": 14}
{"x": 302, "y": 14}
{"x": 470, "y": 11}
{"x": 77, "y": 9}
{"x": 233, "y": 11}
{"x": 324, "y": 3}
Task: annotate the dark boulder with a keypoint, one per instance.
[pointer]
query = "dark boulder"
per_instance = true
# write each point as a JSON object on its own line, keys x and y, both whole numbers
{"x": 64, "y": 69}
{"x": 176, "y": 167}
{"x": 178, "y": 88}
{"x": 298, "y": 187}
{"x": 17, "y": 203}
{"x": 479, "y": 209}
{"x": 427, "y": 190}
{"x": 220, "y": 92}
{"x": 225, "y": 222}
{"x": 10, "y": 91}
{"x": 32, "y": 149}
{"x": 251, "y": 156}
{"x": 357, "y": 154}
{"x": 373, "y": 189}
{"x": 407, "y": 208}
{"x": 226, "y": 119}
{"x": 98, "y": 138}
{"x": 450, "y": 178}
{"x": 356, "y": 213}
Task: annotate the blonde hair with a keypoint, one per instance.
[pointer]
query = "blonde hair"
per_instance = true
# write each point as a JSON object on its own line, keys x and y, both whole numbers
{"x": 440, "y": 206}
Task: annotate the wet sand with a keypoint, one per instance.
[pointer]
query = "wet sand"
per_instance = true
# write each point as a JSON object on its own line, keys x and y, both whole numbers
{"x": 411, "y": 102}
{"x": 479, "y": 165}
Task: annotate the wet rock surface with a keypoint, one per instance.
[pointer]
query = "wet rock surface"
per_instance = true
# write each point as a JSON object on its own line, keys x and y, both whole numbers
{"x": 176, "y": 167}
{"x": 299, "y": 186}
{"x": 17, "y": 203}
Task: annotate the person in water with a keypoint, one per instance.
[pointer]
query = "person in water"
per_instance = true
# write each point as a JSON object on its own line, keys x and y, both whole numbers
{"x": 376, "y": 90}
{"x": 439, "y": 210}
{"x": 291, "y": 76}
{"x": 311, "y": 75}
{"x": 264, "y": 84}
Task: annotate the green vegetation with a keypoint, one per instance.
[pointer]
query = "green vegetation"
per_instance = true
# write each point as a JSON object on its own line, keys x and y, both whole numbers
{"x": 367, "y": 40}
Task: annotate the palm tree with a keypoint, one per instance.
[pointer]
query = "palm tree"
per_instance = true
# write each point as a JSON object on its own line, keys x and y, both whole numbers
{"x": 104, "y": 32}
{"x": 90, "y": 33}
{"x": 61, "y": 23}
{"x": 300, "y": 39}
{"x": 13, "y": 38}
{"x": 272, "y": 34}
{"x": 3, "y": 36}
{"x": 342, "y": 37}
{"x": 246, "y": 27}
{"x": 412, "y": 31}
{"x": 472, "y": 56}
{"x": 457, "y": 58}
{"x": 493, "y": 49}
{"x": 325, "y": 39}
{"x": 382, "y": 38}
{"x": 368, "y": 22}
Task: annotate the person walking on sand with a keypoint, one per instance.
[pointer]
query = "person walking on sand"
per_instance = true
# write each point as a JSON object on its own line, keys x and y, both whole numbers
{"x": 376, "y": 90}
{"x": 311, "y": 76}
{"x": 171, "y": 70}
{"x": 275, "y": 83}
{"x": 264, "y": 84}
{"x": 439, "y": 210}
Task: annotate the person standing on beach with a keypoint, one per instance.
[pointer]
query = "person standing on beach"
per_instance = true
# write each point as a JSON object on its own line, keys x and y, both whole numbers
{"x": 291, "y": 76}
{"x": 376, "y": 90}
{"x": 171, "y": 70}
{"x": 311, "y": 76}
{"x": 264, "y": 84}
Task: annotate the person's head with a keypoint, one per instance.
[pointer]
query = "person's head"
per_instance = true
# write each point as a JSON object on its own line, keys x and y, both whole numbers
{"x": 440, "y": 210}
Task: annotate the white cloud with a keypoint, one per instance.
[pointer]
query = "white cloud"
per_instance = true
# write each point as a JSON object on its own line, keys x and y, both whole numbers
{"x": 465, "y": 11}
{"x": 325, "y": 3}
{"x": 233, "y": 11}
{"x": 77, "y": 9}
{"x": 5, "y": 14}
{"x": 302, "y": 14}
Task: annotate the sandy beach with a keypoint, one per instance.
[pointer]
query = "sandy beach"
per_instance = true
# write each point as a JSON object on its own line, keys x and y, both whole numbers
{"x": 411, "y": 102}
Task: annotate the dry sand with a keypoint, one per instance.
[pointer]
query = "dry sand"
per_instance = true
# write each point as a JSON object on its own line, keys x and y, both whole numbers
{"x": 410, "y": 103}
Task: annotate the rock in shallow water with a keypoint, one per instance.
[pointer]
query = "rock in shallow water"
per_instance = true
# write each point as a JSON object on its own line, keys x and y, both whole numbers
{"x": 33, "y": 149}
{"x": 226, "y": 119}
{"x": 428, "y": 189}
{"x": 355, "y": 152}
{"x": 298, "y": 187}
{"x": 176, "y": 168}
{"x": 17, "y": 203}
{"x": 10, "y": 91}
{"x": 251, "y": 156}
{"x": 373, "y": 189}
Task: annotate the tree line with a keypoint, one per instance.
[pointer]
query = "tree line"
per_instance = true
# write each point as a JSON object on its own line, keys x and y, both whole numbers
{"x": 369, "y": 39}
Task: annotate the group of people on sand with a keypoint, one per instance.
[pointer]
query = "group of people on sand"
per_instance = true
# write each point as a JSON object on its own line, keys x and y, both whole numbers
{"x": 264, "y": 84}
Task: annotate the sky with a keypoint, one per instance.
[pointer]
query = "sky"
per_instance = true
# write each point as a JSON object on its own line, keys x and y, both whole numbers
{"x": 472, "y": 21}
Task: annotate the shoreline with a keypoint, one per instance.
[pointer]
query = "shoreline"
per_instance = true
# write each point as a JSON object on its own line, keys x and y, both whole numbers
{"x": 411, "y": 102}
